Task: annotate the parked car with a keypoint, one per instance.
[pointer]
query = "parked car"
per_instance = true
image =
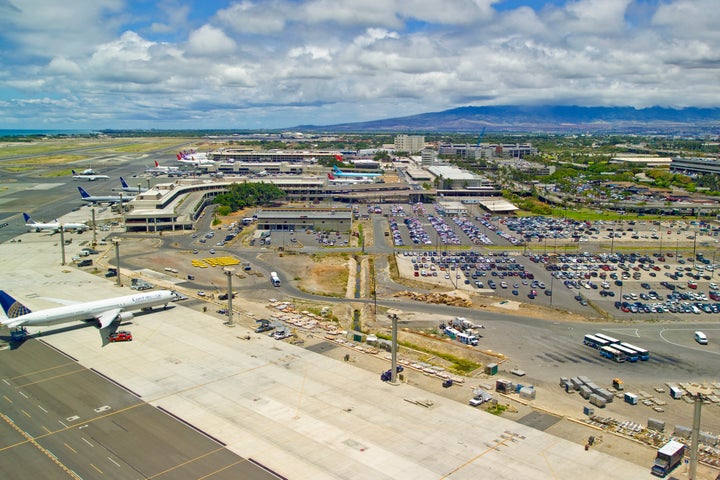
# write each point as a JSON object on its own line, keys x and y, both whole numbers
{"x": 121, "y": 336}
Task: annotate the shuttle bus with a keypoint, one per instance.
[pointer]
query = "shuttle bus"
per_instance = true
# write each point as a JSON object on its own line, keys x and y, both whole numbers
{"x": 275, "y": 279}
{"x": 642, "y": 353}
{"x": 630, "y": 355}
{"x": 595, "y": 342}
{"x": 613, "y": 354}
{"x": 610, "y": 339}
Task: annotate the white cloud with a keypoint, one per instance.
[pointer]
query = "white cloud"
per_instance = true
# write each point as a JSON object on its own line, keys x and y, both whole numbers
{"x": 286, "y": 62}
{"x": 210, "y": 41}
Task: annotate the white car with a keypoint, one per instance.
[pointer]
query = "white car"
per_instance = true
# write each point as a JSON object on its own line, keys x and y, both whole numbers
{"x": 700, "y": 338}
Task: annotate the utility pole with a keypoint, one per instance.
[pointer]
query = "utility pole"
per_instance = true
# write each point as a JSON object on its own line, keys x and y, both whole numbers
{"x": 116, "y": 242}
{"x": 229, "y": 273}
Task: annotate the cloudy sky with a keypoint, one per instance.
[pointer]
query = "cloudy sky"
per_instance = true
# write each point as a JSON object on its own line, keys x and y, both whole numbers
{"x": 97, "y": 64}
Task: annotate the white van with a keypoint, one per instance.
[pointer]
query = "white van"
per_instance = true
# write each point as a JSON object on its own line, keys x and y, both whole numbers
{"x": 701, "y": 338}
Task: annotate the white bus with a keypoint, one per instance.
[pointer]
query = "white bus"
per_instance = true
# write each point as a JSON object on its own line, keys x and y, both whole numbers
{"x": 610, "y": 339}
{"x": 642, "y": 353}
{"x": 275, "y": 279}
{"x": 595, "y": 342}
{"x": 613, "y": 354}
{"x": 630, "y": 355}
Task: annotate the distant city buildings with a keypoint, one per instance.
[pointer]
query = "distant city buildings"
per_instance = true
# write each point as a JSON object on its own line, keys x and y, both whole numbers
{"x": 695, "y": 165}
{"x": 409, "y": 143}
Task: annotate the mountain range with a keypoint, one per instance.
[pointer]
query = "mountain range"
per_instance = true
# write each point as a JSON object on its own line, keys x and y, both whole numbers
{"x": 545, "y": 119}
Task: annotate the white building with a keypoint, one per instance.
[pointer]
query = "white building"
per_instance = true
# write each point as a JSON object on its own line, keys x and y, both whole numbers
{"x": 409, "y": 143}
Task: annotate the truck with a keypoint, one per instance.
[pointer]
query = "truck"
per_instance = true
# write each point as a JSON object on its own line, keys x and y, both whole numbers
{"x": 275, "y": 279}
{"x": 668, "y": 457}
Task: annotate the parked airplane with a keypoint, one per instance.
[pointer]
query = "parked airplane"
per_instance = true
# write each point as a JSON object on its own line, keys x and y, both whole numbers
{"x": 102, "y": 312}
{"x": 86, "y": 197}
{"x": 193, "y": 158}
{"x": 161, "y": 169}
{"x": 339, "y": 173}
{"x": 88, "y": 176}
{"x": 349, "y": 181}
{"x": 53, "y": 226}
{"x": 128, "y": 188}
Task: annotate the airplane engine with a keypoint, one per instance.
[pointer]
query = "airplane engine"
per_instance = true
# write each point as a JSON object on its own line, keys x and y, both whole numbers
{"x": 120, "y": 317}
{"x": 125, "y": 316}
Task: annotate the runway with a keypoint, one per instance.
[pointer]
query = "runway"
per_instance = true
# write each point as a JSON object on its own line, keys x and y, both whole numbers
{"x": 61, "y": 419}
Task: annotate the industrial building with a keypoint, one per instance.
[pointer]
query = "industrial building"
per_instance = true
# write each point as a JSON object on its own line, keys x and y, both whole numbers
{"x": 297, "y": 219}
{"x": 695, "y": 165}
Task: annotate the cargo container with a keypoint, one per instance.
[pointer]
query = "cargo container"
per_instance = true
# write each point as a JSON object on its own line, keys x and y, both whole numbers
{"x": 631, "y": 398}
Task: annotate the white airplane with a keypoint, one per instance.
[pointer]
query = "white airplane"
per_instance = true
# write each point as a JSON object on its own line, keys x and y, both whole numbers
{"x": 193, "y": 158}
{"x": 88, "y": 176}
{"x": 102, "y": 312}
{"x": 127, "y": 188}
{"x": 161, "y": 169}
{"x": 348, "y": 181}
{"x": 53, "y": 226}
{"x": 86, "y": 197}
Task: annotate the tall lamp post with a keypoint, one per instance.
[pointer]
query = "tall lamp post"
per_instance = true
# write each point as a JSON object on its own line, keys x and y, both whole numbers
{"x": 229, "y": 273}
{"x": 116, "y": 242}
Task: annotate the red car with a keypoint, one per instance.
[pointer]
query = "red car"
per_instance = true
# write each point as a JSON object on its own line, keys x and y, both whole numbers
{"x": 121, "y": 336}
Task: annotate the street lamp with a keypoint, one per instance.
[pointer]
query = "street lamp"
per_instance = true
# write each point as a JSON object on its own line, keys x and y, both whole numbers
{"x": 229, "y": 273}
{"x": 116, "y": 242}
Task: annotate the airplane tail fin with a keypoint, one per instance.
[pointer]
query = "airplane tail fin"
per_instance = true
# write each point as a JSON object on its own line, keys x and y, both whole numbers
{"x": 156, "y": 164}
{"x": 73, "y": 172}
{"x": 336, "y": 169}
{"x": 12, "y": 308}
{"x": 330, "y": 176}
{"x": 28, "y": 219}
{"x": 83, "y": 193}
{"x": 123, "y": 182}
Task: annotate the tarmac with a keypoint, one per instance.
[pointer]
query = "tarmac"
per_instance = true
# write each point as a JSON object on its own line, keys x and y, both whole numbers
{"x": 302, "y": 414}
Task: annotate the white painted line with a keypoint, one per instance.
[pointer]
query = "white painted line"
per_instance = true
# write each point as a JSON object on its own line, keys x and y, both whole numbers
{"x": 84, "y": 440}
{"x": 41, "y": 408}
{"x": 61, "y": 423}
{"x": 6, "y": 382}
{"x": 21, "y": 393}
{"x": 113, "y": 461}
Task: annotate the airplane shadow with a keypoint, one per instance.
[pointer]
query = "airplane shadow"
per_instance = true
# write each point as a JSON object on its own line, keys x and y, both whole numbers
{"x": 16, "y": 342}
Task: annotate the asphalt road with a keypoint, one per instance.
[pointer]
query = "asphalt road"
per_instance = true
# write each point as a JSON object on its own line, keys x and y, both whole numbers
{"x": 60, "y": 417}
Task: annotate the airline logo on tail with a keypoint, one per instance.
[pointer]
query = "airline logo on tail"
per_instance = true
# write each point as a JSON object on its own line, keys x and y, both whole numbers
{"x": 124, "y": 183}
{"x": 330, "y": 176}
{"x": 12, "y": 307}
{"x": 83, "y": 193}
{"x": 28, "y": 220}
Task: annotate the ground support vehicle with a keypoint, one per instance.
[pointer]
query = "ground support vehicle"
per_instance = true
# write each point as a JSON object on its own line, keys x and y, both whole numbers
{"x": 668, "y": 457}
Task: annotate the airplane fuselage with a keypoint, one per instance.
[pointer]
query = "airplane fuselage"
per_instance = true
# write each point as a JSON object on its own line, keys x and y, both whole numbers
{"x": 92, "y": 310}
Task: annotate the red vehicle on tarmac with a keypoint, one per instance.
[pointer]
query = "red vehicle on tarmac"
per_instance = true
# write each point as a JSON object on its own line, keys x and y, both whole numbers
{"x": 121, "y": 336}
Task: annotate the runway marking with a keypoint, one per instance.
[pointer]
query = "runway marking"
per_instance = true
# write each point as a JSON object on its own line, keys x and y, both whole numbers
{"x": 26, "y": 413}
{"x": 163, "y": 472}
{"x": 80, "y": 370}
{"x": 113, "y": 461}
{"x": 212, "y": 474}
{"x": 481, "y": 454}
{"x": 6, "y": 398}
{"x": 41, "y": 371}
{"x": 23, "y": 394}
{"x": 86, "y": 441}
{"x": 31, "y": 440}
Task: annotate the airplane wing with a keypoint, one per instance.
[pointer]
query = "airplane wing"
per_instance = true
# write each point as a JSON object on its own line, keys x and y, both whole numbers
{"x": 107, "y": 317}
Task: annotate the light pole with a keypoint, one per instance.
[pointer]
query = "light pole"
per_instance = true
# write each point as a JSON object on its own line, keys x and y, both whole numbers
{"x": 116, "y": 242}
{"x": 229, "y": 273}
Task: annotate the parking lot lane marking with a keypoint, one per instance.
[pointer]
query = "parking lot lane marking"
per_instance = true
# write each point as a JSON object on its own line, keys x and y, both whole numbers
{"x": 96, "y": 468}
{"x": 70, "y": 448}
{"x": 6, "y": 398}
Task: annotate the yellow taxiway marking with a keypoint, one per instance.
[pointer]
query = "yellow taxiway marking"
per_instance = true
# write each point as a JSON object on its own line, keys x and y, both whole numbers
{"x": 53, "y": 378}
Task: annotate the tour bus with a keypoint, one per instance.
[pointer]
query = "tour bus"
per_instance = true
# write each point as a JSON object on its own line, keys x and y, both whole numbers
{"x": 595, "y": 342}
{"x": 610, "y": 339}
{"x": 630, "y": 355}
{"x": 275, "y": 279}
{"x": 613, "y": 354}
{"x": 642, "y": 353}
